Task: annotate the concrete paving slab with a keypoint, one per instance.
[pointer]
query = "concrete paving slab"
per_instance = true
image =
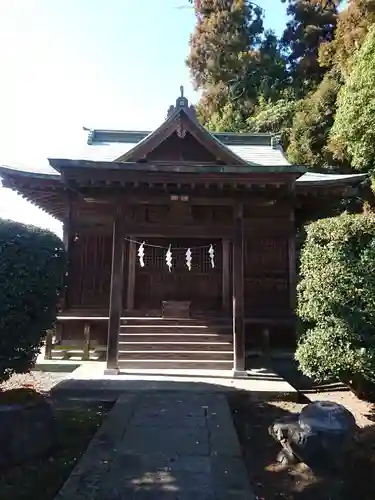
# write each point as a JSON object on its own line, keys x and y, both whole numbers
{"x": 130, "y": 459}
{"x": 260, "y": 380}
{"x": 179, "y": 440}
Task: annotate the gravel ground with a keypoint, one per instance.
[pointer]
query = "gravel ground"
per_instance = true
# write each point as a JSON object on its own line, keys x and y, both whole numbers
{"x": 38, "y": 380}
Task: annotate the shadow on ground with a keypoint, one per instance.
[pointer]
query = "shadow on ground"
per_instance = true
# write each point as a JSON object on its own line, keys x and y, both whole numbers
{"x": 354, "y": 477}
{"x": 253, "y": 413}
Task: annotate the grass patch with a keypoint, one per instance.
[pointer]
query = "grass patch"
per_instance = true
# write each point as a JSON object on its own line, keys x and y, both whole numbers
{"x": 354, "y": 479}
{"x": 43, "y": 477}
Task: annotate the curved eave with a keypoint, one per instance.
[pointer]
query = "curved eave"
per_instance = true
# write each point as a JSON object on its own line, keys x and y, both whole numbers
{"x": 329, "y": 184}
{"x": 42, "y": 190}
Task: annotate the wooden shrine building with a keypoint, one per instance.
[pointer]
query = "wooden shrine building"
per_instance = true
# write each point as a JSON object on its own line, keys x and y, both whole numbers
{"x": 181, "y": 242}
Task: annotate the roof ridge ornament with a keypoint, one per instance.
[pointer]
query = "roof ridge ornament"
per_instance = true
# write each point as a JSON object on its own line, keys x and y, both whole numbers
{"x": 182, "y": 103}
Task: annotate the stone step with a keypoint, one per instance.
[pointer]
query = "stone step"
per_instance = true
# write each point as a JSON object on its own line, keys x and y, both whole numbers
{"x": 147, "y": 364}
{"x": 176, "y": 346}
{"x": 163, "y": 355}
{"x": 173, "y": 337}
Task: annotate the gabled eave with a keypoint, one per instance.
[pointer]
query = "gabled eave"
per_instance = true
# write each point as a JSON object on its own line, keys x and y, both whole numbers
{"x": 180, "y": 118}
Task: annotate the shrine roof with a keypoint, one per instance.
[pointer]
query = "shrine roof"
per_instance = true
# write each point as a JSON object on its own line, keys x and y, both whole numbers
{"x": 307, "y": 179}
{"x": 118, "y": 157}
{"x": 256, "y": 149}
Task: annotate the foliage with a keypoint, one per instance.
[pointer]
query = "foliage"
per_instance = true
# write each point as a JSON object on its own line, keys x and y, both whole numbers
{"x": 311, "y": 24}
{"x": 32, "y": 267}
{"x": 353, "y": 24}
{"x": 336, "y": 298}
{"x": 312, "y": 124}
{"x": 252, "y": 81}
{"x": 234, "y": 61}
{"x": 353, "y": 133}
{"x": 229, "y": 118}
{"x": 223, "y": 35}
{"x": 274, "y": 117}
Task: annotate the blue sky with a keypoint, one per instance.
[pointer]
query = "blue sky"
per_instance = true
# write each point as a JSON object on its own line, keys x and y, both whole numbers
{"x": 66, "y": 64}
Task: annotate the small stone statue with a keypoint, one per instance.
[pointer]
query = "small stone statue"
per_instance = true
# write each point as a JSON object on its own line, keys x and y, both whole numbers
{"x": 315, "y": 436}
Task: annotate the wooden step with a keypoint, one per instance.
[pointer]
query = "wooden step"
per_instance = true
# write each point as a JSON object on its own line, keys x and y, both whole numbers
{"x": 175, "y": 321}
{"x": 177, "y": 355}
{"x": 175, "y": 346}
{"x": 172, "y": 337}
{"x": 174, "y": 365}
{"x": 174, "y": 329}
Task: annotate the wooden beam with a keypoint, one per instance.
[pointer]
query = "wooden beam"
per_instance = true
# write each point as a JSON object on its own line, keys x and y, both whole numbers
{"x": 157, "y": 230}
{"x": 115, "y": 302}
{"x": 131, "y": 275}
{"x": 238, "y": 294}
{"x": 147, "y": 197}
{"x": 226, "y": 275}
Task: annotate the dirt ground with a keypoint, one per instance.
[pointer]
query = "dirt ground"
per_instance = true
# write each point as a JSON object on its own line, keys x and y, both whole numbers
{"x": 363, "y": 411}
{"x": 253, "y": 415}
{"x": 354, "y": 478}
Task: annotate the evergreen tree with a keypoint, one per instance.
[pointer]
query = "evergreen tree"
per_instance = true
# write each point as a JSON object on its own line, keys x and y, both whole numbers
{"x": 233, "y": 61}
{"x": 353, "y": 132}
{"x": 352, "y": 27}
{"x": 225, "y": 33}
{"x": 312, "y": 23}
{"x": 275, "y": 118}
{"x": 311, "y": 127}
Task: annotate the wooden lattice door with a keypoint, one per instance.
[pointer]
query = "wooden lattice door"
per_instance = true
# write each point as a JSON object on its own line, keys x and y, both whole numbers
{"x": 202, "y": 285}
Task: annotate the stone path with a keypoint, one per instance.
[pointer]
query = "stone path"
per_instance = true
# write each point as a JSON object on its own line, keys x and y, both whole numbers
{"x": 163, "y": 446}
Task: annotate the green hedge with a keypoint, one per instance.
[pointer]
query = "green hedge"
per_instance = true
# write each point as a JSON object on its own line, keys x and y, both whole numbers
{"x": 32, "y": 268}
{"x": 336, "y": 299}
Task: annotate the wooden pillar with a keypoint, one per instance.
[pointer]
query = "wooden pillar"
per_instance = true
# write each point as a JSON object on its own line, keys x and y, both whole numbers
{"x": 49, "y": 345}
{"x": 292, "y": 263}
{"x": 115, "y": 302}
{"x": 131, "y": 275}
{"x": 86, "y": 341}
{"x": 226, "y": 275}
{"x": 238, "y": 294}
{"x": 67, "y": 240}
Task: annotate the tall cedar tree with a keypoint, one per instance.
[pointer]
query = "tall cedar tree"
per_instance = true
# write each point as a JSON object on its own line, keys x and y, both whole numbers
{"x": 312, "y": 23}
{"x": 233, "y": 62}
{"x": 224, "y": 34}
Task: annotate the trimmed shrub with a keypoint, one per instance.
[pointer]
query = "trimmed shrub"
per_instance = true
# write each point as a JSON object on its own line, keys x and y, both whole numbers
{"x": 32, "y": 267}
{"x": 336, "y": 299}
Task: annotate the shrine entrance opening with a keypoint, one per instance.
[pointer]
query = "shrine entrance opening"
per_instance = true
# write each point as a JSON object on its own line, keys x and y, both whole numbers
{"x": 202, "y": 285}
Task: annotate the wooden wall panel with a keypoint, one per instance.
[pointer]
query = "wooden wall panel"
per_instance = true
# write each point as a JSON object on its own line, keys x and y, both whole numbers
{"x": 266, "y": 276}
{"x": 90, "y": 271}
